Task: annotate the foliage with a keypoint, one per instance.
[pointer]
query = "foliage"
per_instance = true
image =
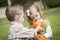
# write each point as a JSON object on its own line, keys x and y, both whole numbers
{"x": 52, "y": 3}
{"x": 3, "y": 3}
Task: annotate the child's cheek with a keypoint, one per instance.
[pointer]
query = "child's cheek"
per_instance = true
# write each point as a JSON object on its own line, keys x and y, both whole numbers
{"x": 21, "y": 19}
{"x": 38, "y": 17}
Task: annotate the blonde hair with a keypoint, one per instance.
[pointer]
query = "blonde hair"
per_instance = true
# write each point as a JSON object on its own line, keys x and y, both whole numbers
{"x": 37, "y": 8}
{"x": 12, "y": 11}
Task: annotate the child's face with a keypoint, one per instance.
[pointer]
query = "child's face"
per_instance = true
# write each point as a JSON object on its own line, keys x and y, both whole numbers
{"x": 35, "y": 16}
{"x": 21, "y": 18}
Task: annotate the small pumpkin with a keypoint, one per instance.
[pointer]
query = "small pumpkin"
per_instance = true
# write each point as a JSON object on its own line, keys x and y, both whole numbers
{"x": 43, "y": 38}
{"x": 39, "y": 37}
{"x": 36, "y": 23}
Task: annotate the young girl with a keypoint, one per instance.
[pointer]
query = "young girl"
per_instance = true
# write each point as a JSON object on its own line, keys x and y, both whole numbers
{"x": 35, "y": 16}
{"x": 17, "y": 30}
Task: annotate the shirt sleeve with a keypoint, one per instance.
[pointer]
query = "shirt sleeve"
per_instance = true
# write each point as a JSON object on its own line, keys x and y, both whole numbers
{"x": 17, "y": 30}
{"x": 23, "y": 30}
{"x": 48, "y": 31}
{"x": 29, "y": 31}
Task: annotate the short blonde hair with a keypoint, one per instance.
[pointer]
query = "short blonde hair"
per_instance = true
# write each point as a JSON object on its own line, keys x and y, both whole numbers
{"x": 12, "y": 11}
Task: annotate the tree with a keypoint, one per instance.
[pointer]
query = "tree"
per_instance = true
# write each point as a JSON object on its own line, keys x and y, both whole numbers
{"x": 9, "y": 2}
{"x": 52, "y": 3}
{"x": 3, "y": 3}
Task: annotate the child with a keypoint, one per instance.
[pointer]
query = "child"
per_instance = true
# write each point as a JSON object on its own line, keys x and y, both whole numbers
{"x": 35, "y": 15}
{"x": 17, "y": 30}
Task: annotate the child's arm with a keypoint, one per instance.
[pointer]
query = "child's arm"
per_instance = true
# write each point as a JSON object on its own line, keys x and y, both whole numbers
{"x": 33, "y": 30}
{"x": 20, "y": 30}
{"x": 39, "y": 28}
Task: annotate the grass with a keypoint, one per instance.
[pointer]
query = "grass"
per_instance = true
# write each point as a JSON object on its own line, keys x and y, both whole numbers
{"x": 55, "y": 23}
{"x": 52, "y": 10}
{"x": 4, "y": 27}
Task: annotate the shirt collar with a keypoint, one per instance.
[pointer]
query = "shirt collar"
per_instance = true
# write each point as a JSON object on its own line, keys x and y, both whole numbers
{"x": 16, "y": 23}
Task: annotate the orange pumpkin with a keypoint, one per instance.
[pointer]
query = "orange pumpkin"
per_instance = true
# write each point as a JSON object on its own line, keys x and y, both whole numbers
{"x": 36, "y": 23}
{"x": 39, "y": 37}
{"x": 43, "y": 38}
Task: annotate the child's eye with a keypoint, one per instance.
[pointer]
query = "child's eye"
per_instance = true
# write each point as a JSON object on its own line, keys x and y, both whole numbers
{"x": 36, "y": 15}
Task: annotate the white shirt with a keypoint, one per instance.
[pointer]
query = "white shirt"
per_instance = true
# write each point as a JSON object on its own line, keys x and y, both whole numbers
{"x": 48, "y": 32}
{"x": 18, "y": 30}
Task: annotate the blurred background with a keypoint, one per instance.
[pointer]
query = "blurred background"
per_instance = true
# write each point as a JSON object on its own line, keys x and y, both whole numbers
{"x": 50, "y": 8}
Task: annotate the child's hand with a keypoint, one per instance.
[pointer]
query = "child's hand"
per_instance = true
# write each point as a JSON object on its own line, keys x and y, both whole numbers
{"x": 39, "y": 28}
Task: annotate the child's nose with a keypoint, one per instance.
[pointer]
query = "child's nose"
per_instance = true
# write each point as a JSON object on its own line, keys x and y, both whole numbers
{"x": 33, "y": 17}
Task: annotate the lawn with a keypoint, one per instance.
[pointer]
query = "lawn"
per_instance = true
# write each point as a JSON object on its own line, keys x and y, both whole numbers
{"x": 53, "y": 15}
{"x": 4, "y": 27}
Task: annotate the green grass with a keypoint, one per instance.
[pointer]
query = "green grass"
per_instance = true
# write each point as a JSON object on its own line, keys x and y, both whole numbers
{"x": 55, "y": 23}
{"x": 4, "y": 27}
{"x": 52, "y": 10}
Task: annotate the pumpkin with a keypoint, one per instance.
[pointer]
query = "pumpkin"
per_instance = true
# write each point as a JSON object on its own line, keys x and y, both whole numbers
{"x": 36, "y": 23}
{"x": 39, "y": 37}
{"x": 43, "y": 38}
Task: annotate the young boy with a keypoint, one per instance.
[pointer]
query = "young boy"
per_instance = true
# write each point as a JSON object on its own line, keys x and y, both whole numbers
{"x": 17, "y": 30}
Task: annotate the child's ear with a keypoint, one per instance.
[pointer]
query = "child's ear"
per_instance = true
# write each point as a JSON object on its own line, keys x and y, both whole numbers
{"x": 17, "y": 17}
